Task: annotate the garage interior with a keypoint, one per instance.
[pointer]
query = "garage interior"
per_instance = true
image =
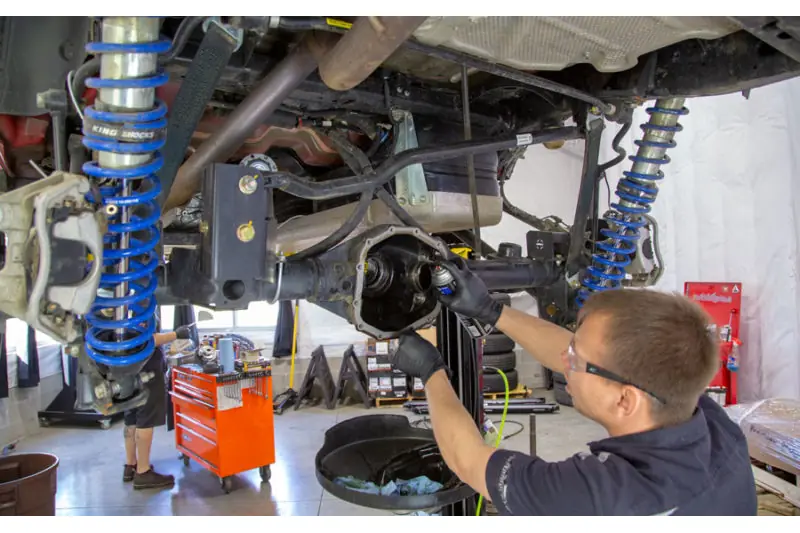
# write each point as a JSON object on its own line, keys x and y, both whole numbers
{"x": 727, "y": 223}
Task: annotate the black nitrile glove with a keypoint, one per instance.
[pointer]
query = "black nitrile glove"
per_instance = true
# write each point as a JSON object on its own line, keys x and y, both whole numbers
{"x": 417, "y": 357}
{"x": 183, "y": 332}
{"x": 470, "y": 296}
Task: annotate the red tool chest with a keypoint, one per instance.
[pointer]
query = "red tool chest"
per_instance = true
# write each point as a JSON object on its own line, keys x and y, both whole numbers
{"x": 224, "y": 421}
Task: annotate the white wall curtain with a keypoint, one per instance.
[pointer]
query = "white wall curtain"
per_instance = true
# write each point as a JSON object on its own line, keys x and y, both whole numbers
{"x": 728, "y": 210}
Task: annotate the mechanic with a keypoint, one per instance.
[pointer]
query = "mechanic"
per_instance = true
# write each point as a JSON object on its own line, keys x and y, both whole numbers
{"x": 637, "y": 364}
{"x": 141, "y": 421}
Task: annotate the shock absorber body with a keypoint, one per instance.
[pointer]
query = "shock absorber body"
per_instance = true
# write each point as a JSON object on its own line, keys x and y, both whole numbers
{"x": 125, "y": 128}
{"x": 636, "y": 192}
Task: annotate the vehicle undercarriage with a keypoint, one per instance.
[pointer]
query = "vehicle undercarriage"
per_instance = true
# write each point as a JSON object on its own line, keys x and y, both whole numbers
{"x": 220, "y": 161}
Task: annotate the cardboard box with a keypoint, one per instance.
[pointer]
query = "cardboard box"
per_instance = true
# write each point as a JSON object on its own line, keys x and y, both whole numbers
{"x": 429, "y": 334}
{"x": 400, "y": 385}
{"x": 416, "y": 387}
{"x": 378, "y": 363}
{"x": 385, "y": 347}
{"x": 381, "y": 385}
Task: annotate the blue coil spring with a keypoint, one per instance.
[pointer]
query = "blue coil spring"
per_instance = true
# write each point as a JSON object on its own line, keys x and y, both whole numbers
{"x": 607, "y": 270}
{"x": 138, "y": 343}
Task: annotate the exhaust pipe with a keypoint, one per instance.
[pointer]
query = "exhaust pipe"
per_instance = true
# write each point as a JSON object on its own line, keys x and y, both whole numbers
{"x": 254, "y": 110}
{"x": 364, "y": 48}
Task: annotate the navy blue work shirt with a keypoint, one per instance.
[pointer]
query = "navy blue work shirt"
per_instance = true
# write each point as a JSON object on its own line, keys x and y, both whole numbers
{"x": 700, "y": 467}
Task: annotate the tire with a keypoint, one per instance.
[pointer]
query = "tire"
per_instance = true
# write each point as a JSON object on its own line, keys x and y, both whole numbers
{"x": 493, "y": 382}
{"x": 561, "y": 395}
{"x": 227, "y": 484}
{"x": 495, "y": 343}
{"x": 503, "y": 361}
{"x": 265, "y": 472}
{"x": 558, "y": 377}
{"x": 185, "y": 459}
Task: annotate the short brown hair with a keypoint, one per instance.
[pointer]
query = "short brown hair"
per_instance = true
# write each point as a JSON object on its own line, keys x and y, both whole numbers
{"x": 660, "y": 342}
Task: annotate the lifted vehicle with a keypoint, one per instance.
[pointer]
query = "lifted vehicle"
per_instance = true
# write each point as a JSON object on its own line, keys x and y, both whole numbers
{"x": 220, "y": 161}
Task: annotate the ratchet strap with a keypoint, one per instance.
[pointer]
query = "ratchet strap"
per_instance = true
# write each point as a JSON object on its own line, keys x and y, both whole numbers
{"x": 194, "y": 94}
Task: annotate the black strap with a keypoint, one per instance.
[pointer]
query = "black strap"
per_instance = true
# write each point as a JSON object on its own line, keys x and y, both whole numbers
{"x": 196, "y": 90}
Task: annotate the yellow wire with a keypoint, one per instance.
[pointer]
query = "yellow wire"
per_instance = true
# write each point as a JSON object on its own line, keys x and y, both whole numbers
{"x": 294, "y": 343}
{"x": 499, "y": 438}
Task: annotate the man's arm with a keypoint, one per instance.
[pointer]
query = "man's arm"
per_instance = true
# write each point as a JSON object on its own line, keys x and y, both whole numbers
{"x": 182, "y": 332}
{"x": 544, "y": 340}
{"x": 164, "y": 338}
{"x": 455, "y": 432}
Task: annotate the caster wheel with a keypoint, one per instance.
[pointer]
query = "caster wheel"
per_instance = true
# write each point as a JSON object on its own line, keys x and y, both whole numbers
{"x": 105, "y": 424}
{"x": 265, "y": 472}
{"x": 44, "y": 422}
{"x": 226, "y": 483}
{"x": 185, "y": 459}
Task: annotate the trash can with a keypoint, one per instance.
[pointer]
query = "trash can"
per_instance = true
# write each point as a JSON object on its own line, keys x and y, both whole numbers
{"x": 28, "y": 484}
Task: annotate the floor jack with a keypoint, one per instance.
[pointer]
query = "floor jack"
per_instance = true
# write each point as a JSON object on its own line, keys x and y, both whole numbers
{"x": 287, "y": 398}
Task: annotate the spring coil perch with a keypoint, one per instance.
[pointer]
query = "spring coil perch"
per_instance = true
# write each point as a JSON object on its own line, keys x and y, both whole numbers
{"x": 126, "y": 128}
{"x": 636, "y": 192}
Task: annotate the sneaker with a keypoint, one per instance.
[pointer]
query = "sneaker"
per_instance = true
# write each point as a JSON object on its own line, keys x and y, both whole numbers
{"x": 128, "y": 473}
{"x": 152, "y": 480}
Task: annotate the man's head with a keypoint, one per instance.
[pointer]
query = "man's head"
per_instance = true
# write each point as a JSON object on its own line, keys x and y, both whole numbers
{"x": 639, "y": 359}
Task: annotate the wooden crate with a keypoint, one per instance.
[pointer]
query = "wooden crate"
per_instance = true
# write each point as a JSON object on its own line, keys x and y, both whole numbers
{"x": 520, "y": 392}
{"x": 391, "y": 402}
{"x": 776, "y": 496}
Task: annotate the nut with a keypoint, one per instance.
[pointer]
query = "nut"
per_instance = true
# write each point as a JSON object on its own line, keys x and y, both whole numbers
{"x": 246, "y": 232}
{"x": 248, "y": 184}
{"x": 101, "y": 391}
{"x": 204, "y": 227}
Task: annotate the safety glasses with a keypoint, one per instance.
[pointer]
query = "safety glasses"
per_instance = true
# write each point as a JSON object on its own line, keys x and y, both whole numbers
{"x": 578, "y": 364}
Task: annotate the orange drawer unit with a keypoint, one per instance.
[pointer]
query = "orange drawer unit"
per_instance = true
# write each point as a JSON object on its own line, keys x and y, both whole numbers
{"x": 224, "y": 421}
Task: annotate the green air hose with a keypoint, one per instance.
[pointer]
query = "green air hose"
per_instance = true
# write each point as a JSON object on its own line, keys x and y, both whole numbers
{"x": 499, "y": 438}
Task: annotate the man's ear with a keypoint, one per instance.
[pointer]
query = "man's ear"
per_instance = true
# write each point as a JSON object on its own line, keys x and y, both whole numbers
{"x": 630, "y": 401}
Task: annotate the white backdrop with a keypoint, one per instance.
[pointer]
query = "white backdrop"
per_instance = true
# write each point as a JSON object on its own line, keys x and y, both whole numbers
{"x": 728, "y": 210}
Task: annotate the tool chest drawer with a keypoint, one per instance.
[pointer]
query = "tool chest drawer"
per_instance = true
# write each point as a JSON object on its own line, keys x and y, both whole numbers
{"x": 202, "y": 385}
{"x": 196, "y": 443}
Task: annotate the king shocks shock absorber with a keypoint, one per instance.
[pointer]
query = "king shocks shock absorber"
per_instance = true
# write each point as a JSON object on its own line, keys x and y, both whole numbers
{"x": 126, "y": 128}
{"x": 636, "y": 192}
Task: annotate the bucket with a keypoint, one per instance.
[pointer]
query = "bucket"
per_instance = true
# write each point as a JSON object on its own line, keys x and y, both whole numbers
{"x": 359, "y": 447}
{"x": 28, "y": 484}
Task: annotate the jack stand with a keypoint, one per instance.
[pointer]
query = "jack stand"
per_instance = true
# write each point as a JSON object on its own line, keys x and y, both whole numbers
{"x": 352, "y": 371}
{"x": 62, "y": 408}
{"x": 317, "y": 370}
{"x": 463, "y": 354}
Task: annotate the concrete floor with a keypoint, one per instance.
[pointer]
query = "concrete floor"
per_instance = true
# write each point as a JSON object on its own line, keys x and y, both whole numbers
{"x": 91, "y": 459}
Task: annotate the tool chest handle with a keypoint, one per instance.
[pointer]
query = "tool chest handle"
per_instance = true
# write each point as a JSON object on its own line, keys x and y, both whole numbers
{"x": 191, "y": 400}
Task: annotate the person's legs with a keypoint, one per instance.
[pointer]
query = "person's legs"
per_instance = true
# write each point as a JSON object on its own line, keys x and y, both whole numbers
{"x": 129, "y": 434}
{"x": 151, "y": 415}
{"x": 144, "y": 441}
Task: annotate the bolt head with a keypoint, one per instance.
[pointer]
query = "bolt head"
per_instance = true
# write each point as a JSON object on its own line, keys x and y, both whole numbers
{"x": 73, "y": 350}
{"x": 401, "y": 201}
{"x": 248, "y": 184}
{"x": 245, "y": 232}
{"x": 100, "y": 391}
{"x": 406, "y": 93}
{"x": 204, "y": 227}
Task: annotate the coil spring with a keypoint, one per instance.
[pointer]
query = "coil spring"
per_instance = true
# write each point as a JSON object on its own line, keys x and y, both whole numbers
{"x": 132, "y": 132}
{"x": 637, "y": 191}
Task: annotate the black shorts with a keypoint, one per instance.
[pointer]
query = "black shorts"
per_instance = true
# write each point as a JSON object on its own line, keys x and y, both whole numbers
{"x": 154, "y": 412}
